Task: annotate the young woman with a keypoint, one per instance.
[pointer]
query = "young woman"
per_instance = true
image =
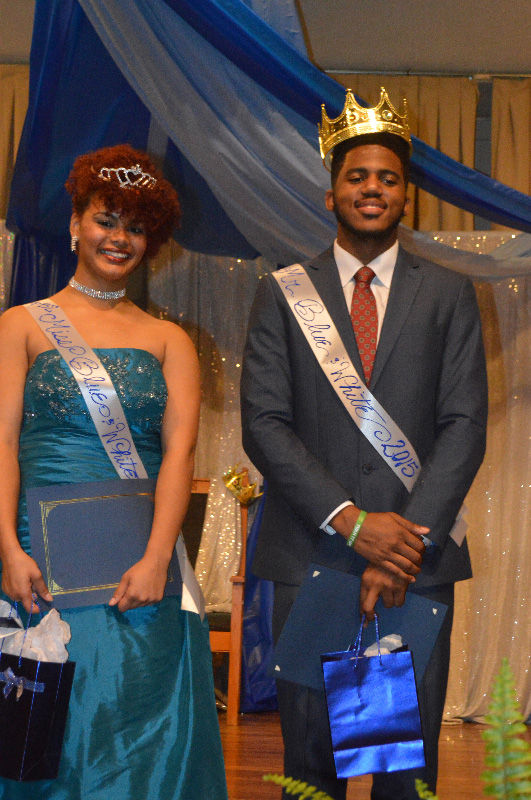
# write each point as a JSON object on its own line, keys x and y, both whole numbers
{"x": 142, "y": 721}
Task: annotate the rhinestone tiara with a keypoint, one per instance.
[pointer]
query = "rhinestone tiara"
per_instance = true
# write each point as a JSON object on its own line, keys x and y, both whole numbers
{"x": 355, "y": 120}
{"x": 128, "y": 177}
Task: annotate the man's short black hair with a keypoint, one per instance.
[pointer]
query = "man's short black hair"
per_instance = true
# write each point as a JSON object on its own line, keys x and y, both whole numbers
{"x": 393, "y": 142}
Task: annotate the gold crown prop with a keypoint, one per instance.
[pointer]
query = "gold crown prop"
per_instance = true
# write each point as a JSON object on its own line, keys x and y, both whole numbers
{"x": 131, "y": 177}
{"x": 355, "y": 120}
{"x": 237, "y": 483}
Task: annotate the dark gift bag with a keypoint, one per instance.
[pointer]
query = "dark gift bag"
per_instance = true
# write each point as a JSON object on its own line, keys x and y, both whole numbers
{"x": 373, "y": 711}
{"x": 34, "y": 698}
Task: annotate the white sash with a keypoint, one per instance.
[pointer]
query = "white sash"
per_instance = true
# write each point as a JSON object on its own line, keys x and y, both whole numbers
{"x": 94, "y": 384}
{"x": 109, "y": 419}
{"x": 365, "y": 411}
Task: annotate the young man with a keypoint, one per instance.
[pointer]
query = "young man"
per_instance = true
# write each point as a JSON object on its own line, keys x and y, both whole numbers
{"x": 412, "y": 332}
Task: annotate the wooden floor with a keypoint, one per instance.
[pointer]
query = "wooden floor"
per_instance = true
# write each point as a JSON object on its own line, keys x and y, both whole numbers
{"x": 254, "y": 748}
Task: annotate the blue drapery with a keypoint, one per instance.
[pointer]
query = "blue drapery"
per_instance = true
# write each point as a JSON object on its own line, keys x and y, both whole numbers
{"x": 258, "y": 691}
{"x": 79, "y": 101}
{"x": 238, "y": 102}
{"x": 261, "y": 53}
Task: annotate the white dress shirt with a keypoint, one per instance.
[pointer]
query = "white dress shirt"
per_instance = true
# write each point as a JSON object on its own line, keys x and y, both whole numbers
{"x": 383, "y": 267}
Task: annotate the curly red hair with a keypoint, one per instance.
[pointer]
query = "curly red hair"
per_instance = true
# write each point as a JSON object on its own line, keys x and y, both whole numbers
{"x": 156, "y": 207}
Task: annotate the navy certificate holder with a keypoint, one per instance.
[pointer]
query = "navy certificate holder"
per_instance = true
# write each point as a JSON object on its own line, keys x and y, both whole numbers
{"x": 373, "y": 710}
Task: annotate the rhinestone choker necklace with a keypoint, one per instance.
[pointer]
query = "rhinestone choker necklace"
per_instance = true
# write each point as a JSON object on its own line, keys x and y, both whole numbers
{"x": 96, "y": 292}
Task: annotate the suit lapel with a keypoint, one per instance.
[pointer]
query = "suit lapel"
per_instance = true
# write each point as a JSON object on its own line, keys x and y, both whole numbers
{"x": 407, "y": 278}
{"x": 324, "y": 275}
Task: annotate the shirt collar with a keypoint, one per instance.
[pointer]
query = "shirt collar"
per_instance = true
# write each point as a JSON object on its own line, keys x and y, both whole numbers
{"x": 383, "y": 265}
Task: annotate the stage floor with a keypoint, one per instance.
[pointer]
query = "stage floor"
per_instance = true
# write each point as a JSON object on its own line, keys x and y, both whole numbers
{"x": 254, "y": 748}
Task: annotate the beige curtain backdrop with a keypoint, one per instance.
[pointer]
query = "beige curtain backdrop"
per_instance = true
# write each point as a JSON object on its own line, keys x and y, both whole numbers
{"x": 443, "y": 114}
{"x": 511, "y": 133}
{"x": 14, "y": 81}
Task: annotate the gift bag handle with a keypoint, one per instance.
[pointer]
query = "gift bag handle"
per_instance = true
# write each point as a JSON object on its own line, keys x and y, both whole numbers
{"x": 26, "y": 629}
{"x": 11, "y": 609}
{"x": 18, "y": 682}
{"x": 356, "y": 645}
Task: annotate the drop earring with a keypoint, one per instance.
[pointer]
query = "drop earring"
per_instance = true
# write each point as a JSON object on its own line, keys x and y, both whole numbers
{"x": 73, "y": 243}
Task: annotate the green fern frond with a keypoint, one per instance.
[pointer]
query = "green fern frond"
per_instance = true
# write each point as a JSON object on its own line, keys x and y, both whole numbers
{"x": 423, "y": 791}
{"x": 297, "y": 788}
{"x": 508, "y": 757}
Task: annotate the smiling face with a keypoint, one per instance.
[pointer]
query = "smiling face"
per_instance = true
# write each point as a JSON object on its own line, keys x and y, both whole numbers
{"x": 369, "y": 200}
{"x": 110, "y": 247}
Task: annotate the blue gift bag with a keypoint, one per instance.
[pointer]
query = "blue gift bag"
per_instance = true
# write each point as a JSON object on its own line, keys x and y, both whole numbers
{"x": 373, "y": 711}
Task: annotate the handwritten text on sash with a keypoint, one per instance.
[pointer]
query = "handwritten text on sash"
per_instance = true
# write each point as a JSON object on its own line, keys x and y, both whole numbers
{"x": 322, "y": 336}
{"x": 97, "y": 390}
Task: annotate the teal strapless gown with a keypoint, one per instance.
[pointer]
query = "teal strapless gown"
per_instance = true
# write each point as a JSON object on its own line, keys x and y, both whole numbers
{"x": 142, "y": 722}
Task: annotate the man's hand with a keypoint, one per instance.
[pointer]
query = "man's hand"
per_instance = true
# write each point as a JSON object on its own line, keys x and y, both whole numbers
{"x": 386, "y": 539}
{"x": 375, "y": 583}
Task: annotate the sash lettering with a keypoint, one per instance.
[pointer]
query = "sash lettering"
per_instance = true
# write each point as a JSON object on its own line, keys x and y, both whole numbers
{"x": 365, "y": 411}
{"x": 95, "y": 385}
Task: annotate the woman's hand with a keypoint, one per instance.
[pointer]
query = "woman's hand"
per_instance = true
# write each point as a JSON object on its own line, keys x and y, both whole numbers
{"x": 142, "y": 584}
{"x": 22, "y": 578}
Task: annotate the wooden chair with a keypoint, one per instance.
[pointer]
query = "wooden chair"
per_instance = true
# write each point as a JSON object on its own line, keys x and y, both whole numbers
{"x": 226, "y": 629}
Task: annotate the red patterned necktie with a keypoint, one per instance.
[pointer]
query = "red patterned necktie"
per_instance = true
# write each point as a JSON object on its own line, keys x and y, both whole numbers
{"x": 364, "y": 318}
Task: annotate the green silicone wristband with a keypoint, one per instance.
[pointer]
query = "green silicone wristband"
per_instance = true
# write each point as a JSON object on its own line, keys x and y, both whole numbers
{"x": 356, "y": 529}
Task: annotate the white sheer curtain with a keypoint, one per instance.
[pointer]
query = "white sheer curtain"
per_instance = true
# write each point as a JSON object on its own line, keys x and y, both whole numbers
{"x": 210, "y": 296}
{"x": 492, "y": 615}
{"x": 7, "y": 241}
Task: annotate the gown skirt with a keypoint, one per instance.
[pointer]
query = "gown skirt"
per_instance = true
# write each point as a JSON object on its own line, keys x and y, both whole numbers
{"x": 142, "y": 722}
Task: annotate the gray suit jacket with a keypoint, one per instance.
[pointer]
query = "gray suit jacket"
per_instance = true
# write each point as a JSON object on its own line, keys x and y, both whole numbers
{"x": 429, "y": 374}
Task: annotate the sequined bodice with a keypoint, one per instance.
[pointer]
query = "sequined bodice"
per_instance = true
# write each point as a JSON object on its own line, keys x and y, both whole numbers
{"x": 52, "y": 396}
{"x": 58, "y": 440}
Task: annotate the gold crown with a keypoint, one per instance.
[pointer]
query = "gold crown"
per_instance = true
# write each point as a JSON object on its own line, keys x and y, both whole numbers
{"x": 355, "y": 120}
{"x": 236, "y": 481}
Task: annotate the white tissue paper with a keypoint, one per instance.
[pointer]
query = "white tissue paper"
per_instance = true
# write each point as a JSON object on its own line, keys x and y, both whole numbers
{"x": 44, "y": 642}
{"x": 387, "y": 644}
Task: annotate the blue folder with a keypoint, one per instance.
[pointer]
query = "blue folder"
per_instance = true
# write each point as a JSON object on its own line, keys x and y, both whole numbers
{"x": 325, "y": 618}
{"x": 84, "y": 536}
